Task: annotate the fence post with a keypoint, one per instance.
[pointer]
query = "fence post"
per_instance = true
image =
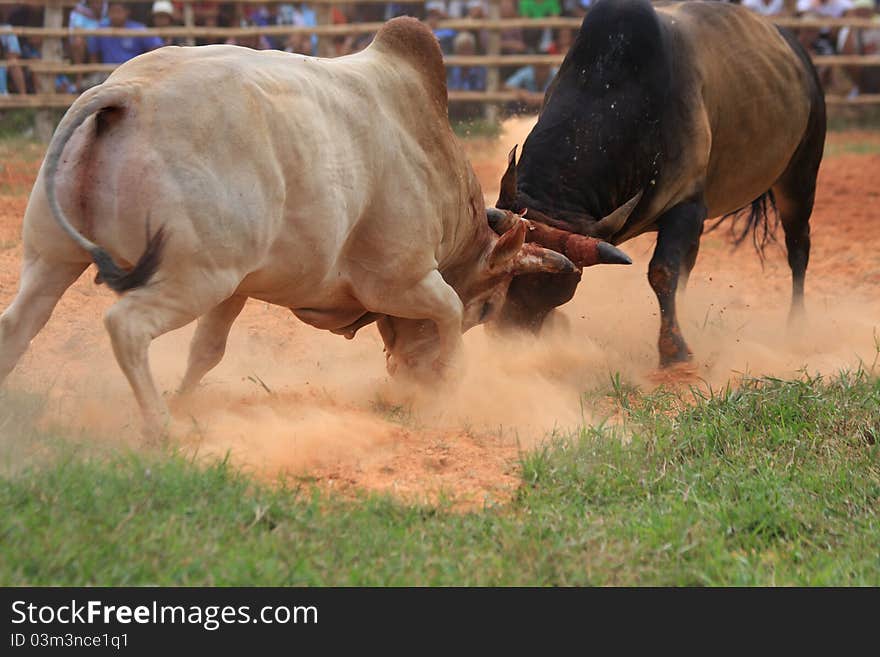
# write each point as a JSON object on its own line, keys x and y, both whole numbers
{"x": 189, "y": 21}
{"x": 493, "y": 76}
{"x": 324, "y": 16}
{"x": 44, "y": 124}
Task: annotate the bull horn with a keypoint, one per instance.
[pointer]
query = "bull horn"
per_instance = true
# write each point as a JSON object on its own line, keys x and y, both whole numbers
{"x": 588, "y": 251}
{"x": 507, "y": 194}
{"x": 611, "y": 255}
{"x": 608, "y": 226}
{"x": 534, "y": 259}
{"x": 500, "y": 221}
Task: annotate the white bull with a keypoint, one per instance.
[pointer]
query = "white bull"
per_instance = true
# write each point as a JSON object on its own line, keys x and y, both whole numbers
{"x": 334, "y": 188}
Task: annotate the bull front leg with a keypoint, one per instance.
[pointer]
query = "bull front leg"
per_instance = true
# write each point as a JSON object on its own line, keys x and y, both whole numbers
{"x": 678, "y": 232}
{"x": 430, "y": 299}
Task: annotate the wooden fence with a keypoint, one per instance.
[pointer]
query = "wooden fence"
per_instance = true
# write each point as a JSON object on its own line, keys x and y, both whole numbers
{"x": 53, "y": 32}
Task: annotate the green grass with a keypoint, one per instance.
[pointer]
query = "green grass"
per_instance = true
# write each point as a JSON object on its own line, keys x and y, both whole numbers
{"x": 851, "y": 147}
{"x": 774, "y": 482}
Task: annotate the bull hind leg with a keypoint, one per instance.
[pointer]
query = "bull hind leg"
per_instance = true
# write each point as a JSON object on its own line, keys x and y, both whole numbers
{"x": 795, "y": 193}
{"x": 209, "y": 342}
{"x": 795, "y": 215}
{"x": 678, "y": 230}
{"x": 141, "y": 316}
{"x": 42, "y": 284}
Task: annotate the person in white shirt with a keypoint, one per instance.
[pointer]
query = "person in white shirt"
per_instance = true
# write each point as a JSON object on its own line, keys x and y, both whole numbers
{"x": 765, "y": 7}
{"x": 827, "y": 8}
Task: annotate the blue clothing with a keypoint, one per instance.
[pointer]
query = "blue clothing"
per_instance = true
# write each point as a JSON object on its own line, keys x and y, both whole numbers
{"x": 8, "y": 45}
{"x": 524, "y": 78}
{"x": 304, "y": 15}
{"x": 117, "y": 50}
{"x": 466, "y": 78}
{"x": 82, "y": 18}
{"x": 445, "y": 36}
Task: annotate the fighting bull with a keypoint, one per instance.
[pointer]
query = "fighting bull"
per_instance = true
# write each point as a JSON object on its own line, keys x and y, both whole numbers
{"x": 195, "y": 178}
{"x": 658, "y": 119}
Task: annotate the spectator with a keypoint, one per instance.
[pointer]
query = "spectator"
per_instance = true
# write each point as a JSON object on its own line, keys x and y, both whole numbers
{"x": 576, "y": 8}
{"x": 866, "y": 79}
{"x": 163, "y": 16}
{"x": 827, "y": 8}
{"x": 477, "y": 10}
{"x": 532, "y": 79}
{"x": 512, "y": 39}
{"x": 31, "y": 50}
{"x": 10, "y": 50}
{"x": 563, "y": 41}
{"x": 466, "y": 78}
{"x": 302, "y": 16}
{"x": 85, "y": 16}
{"x": 530, "y": 83}
{"x": 765, "y": 7}
{"x": 254, "y": 41}
{"x": 453, "y": 8}
{"x": 539, "y": 8}
{"x": 117, "y": 50}
{"x": 301, "y": 44}
{"x": 538, "y": 39}
{"x": 436, "y": 12}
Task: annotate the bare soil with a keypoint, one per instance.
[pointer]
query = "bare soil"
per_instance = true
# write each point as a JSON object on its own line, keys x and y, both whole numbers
{"x": 290, "y": 401}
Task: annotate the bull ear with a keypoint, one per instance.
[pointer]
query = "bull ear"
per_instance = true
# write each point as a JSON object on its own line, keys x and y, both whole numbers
{"x": 508, "y": 246}
{"x": 608, "y": 226}
{"x": 507, "y": 195}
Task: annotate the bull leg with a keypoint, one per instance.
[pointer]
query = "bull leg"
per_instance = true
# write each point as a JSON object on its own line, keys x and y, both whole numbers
{"x": 795, "y": 192}
{"x": 433, "y": 299}
{"x": 679, "y": 228}
{"x": 690, "y": 259}
{"x": 795, "y": 214}
{"x": 136, "y": 320}
{"x": 42, "y": 284}
{"x": 209, "y": 342}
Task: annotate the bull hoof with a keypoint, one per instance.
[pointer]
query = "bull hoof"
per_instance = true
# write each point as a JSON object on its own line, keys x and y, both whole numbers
{"x": 675, "y": 374}
{"x": 678, "y": 358}
{"x": 156, "y": 430}
{"x": 673, "y": 349}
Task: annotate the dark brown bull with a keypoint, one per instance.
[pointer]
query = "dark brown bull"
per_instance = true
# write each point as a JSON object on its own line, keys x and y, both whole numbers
{"x": 658, "y": 119}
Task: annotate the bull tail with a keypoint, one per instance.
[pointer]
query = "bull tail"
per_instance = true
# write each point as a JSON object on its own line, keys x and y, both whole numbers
{"x": 753, "y": 219}
{"x": 118, "y": 279}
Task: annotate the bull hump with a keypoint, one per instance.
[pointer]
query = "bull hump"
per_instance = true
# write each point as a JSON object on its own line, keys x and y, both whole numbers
{"x": 411, "y": 40}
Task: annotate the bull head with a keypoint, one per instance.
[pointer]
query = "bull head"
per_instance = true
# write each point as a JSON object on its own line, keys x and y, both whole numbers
{"x": 604, "y": 228}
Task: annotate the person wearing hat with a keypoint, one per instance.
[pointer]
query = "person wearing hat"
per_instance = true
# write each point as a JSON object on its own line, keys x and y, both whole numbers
{"x": 163, "y": 16}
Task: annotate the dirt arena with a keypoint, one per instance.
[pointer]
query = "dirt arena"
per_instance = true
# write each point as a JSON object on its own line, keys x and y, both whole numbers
{"x": 289, "y": 400}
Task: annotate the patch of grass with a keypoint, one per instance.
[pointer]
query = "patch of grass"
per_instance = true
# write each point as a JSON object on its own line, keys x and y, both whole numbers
{"x": 768, "y": 482}
{"x": 851, "y": 147}
{"x": 478, "y": 127}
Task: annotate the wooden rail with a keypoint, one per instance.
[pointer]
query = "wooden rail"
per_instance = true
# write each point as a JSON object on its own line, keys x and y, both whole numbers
{"x": 52, "y": 34}
{"x": 489, "y": 61}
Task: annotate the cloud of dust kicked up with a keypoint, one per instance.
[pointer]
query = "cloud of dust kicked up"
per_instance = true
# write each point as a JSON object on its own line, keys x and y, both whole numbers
{"x": 289, "y": 398}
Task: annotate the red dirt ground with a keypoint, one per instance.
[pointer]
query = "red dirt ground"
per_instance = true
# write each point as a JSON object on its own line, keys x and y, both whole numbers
{"x": 335, "y": 418}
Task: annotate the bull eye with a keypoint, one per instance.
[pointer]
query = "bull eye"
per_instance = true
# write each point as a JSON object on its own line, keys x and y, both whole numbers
{"x": 487, "y": 308}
